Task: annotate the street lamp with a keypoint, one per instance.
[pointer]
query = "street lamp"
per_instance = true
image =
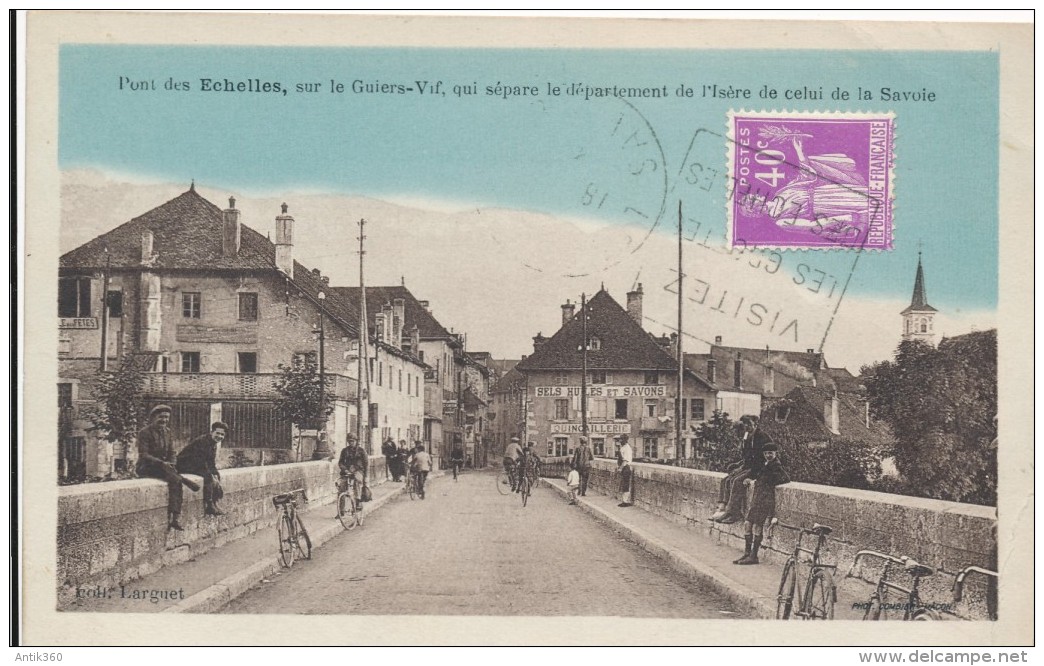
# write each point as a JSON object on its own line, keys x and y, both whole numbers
{"x": 322, "y": 450}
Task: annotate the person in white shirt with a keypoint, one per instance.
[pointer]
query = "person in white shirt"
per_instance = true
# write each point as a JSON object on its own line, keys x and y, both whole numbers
{"x": 624, "y": 458}
{"x": 573, "y": 483}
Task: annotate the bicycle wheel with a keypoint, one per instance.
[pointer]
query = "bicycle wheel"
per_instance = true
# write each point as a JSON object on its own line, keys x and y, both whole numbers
{"x": 503, "y": 483}
{"x": 785, "y": 595}
{"x": 302, "y": 542}
{"x": 820, "y": 596}
{"x": 347, "y": 511}
{"x": 924, "y": 615}
{"x": 286, "y": 544}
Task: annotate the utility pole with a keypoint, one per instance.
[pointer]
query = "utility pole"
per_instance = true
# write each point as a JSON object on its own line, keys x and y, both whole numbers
{"x": 105, "y": 314}
{"x": 322, "y": 449}
{"x": 679, "y": 406}
{"x": 362, "y": 404}
{"x": 583, "y": 377}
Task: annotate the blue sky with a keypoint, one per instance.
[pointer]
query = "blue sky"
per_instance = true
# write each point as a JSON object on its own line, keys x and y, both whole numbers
{"x": 542, "y": 153}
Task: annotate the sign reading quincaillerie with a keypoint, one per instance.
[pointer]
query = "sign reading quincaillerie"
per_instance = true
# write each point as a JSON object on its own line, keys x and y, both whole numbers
{"x": 592, "y": 428}
{"x": 603, "y": 391}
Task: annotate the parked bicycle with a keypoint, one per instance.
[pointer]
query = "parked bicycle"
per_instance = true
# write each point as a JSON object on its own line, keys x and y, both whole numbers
{"x": 911, "y": 605}
{"x": 348, "y": 510}
{"x": 819, "y": 594}
{"x": 293, "y": 537}
{"x": 991, "y": 595}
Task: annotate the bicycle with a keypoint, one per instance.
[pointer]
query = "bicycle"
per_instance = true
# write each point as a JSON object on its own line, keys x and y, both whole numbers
{"x": 525, "y": 487}
{"x": 913, "y": 608}
{"x": 505, "y": 482}
{"x": 411, "y": 484}
{"x": 991, "y": 597}
{"x": 820, "y": 593}
{"x": 293, "y": 537}
{"x": 348, "y": 510}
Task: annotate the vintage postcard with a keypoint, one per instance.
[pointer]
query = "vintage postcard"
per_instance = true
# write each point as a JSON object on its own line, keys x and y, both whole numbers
{"x": 475, "y": 331}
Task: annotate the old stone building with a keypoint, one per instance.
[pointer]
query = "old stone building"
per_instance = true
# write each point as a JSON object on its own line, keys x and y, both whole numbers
{"x": 210, "y": 308}
{"x": 631, "y": 384}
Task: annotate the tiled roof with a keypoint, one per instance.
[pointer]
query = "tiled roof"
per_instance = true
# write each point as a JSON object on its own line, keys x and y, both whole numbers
{"x": 186, "y": 232}
{"x": 805, "y": 417}
{"x": 414, "y": 313}
{"x": 624, "y": 345}
{"x": 511, "y": 379}
{"x": 187, "y": 235}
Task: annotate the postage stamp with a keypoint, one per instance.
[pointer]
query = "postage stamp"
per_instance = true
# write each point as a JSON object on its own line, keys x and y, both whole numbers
{"x": 811, "y": 180}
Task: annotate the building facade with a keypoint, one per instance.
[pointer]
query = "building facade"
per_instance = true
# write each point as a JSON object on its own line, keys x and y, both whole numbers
{"x": 631, "y": 385}
{"x": 210, "y": 309}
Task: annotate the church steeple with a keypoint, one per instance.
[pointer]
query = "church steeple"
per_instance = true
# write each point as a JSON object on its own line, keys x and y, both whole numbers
{"x": 918, "y": 316}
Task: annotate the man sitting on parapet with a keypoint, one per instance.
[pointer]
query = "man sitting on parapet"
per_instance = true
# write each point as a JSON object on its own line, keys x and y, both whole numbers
{"x": 763, "y": 501}
{"x": 732, "y": 496}
{"x": 200, "y": 458}
{"x": 156, "y": 460}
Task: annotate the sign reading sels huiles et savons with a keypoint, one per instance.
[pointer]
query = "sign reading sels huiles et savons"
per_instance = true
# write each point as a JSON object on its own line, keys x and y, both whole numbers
{"x": 652, "y": 391}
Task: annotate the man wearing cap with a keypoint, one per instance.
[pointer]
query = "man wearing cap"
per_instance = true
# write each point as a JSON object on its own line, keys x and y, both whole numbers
{"x": 511, "y": 455}
{"x": 353, "y": 462}
{"x": 156, "y": 460}
{"x": 762, "y": 502}
{"x": 200, "y": 457}
{"x": 624, "y": 458}
{"x": 582, "y": 458}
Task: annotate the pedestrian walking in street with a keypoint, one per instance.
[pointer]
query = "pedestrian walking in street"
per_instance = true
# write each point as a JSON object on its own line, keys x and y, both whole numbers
{"x": 456, "y": 460}
{"x": 582, "y": 462}
{"x": 200, "y": 458}
{"x": 420, "y": 466}
{"x": 156, "y": 460}
{"x": 573, "y": 484}
{"x": 763, "y": 501}
{"x": 732, "y": 495}
{"x": 388, "y": 450}
{"x": 353, "y": 463}
{"x": 512, "y": 452}
{"x": 624, "y": 461}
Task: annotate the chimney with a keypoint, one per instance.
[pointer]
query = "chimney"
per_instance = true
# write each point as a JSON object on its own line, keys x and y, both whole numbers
{"x": 389, "y": 334}
{"x": 398, "y": 320}
{"x": 811, "y": 351}
{"x": 634, "y": 304}
{"x": 712, "y": 370}
{"x": 830, "y": 415}
{"x": 737, "y": 371}
{"x": 379, "y": 325}
{"x": 538, "y": 341}
{"x": 230, "y": 230}
{"x": 717, "y": 340}
{"x": 146, "y": 248}
{"x": 568, "y": 310}
{"x": 285, "y": 243}
{"x": 673, "y": 345}
{"x": 415, "y": 340}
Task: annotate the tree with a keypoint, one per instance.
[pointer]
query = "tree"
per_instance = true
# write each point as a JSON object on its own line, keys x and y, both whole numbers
{"x": 842, "y": 461}
{"x": 721, "y": 444}
{"x": 301, "y": 396}
{"x": 119, "y": 412}
{"x": 941, "y": 404}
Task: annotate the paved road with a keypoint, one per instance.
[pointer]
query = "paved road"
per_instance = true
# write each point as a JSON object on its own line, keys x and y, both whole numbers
{"x": 468, "y": 550}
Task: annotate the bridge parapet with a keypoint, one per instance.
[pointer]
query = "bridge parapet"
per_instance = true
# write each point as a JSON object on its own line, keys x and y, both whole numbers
{"x": 945, "y": 535}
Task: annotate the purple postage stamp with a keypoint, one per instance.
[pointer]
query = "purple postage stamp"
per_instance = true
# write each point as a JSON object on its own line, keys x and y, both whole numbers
{"x": 811, "y": 180}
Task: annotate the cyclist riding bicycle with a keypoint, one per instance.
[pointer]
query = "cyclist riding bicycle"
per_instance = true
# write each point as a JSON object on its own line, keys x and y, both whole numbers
{"x": 420, "y": 465}
{"x": 529, "y": 464}
{"x": 512, "y": 453}
{"x": 353, "y": 463}
{"x": 456, "y": 459}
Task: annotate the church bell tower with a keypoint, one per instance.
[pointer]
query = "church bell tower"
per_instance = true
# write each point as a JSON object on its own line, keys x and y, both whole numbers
{"x": 918, "y": 317}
